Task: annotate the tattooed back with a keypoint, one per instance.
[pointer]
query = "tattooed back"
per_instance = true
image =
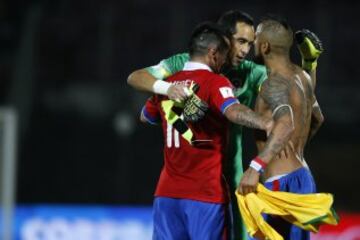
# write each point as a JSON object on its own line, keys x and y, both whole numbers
{"x": 287, "y": 93}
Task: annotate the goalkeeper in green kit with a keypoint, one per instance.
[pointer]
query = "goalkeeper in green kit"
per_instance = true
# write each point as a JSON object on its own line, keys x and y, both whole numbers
{"x": 246, "y": 76}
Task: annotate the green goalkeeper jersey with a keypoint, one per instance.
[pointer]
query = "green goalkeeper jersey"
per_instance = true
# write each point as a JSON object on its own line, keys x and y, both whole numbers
{"x": 247, "y": 78}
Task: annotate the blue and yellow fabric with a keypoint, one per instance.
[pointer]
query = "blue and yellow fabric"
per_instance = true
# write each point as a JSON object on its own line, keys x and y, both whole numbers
{"x": 307, "y": 211}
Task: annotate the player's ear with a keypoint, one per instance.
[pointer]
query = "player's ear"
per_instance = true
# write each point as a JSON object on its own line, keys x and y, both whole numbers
{"x": 212, "y": 55}
{"x": 212, "y": 52}
{"x": 265, "y": 48}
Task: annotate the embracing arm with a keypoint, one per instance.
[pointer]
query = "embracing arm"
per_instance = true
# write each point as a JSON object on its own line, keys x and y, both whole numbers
{"x": 150, "y": 79}
{"x": 141, "y": 80}
{"x": 276, "y": 93}
{"x": 242, "y": 115}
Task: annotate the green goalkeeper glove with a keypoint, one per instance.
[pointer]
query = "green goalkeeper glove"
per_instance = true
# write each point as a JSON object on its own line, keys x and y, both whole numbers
{"x": 310, "y": 48}
{"x": 194, "y": 107}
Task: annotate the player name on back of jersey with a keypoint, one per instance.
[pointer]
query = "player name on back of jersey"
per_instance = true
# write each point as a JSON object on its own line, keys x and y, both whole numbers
{"x": 186, "y": 82}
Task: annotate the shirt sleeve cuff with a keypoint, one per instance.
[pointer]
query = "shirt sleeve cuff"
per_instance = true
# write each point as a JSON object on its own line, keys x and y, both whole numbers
{"x": 158, "y": 71}
{"x": 228, "y": 103}
{"x": 148, "y": 117}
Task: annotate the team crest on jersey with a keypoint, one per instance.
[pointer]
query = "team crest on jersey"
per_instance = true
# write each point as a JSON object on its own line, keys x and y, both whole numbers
{"x": 226, "y": 92}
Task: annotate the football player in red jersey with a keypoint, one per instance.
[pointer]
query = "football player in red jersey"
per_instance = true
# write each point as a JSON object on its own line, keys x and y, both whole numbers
{"x": 191, "y": 198}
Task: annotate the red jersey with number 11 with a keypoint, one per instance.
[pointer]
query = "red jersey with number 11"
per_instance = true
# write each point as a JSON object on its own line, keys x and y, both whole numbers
{"x": 195, "y": 172}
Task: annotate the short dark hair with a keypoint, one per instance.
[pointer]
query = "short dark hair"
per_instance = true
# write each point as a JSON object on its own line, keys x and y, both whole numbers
{"x": 205, "y": 34}
{"x": 229, "y": 19}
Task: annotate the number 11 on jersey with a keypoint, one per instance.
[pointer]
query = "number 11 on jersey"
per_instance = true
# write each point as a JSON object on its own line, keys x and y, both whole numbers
{"x": 170, "y": 134}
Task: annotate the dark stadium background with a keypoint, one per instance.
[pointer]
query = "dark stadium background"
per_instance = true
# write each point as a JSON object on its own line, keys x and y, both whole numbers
{"x": 64, "y": 65}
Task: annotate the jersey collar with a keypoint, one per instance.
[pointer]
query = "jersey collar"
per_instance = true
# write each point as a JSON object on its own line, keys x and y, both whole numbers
{"x": 191, "y": 66}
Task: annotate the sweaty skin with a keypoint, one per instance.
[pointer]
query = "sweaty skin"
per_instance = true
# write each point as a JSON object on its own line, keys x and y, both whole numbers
{"x": 288, "y": 97}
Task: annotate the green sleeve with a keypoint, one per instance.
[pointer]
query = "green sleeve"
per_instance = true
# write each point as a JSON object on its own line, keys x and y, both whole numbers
{"x": 169, "y": 66}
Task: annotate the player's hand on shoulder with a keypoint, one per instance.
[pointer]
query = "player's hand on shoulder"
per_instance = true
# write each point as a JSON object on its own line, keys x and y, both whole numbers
{"x": 194, "y": 108}
{"x": 177, "y": 92}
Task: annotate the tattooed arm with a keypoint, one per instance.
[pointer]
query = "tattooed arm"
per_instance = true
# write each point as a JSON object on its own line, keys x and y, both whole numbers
{"x": 242, "y": 115}
{"x": 317, "y": 119}
{"x": 275, "y": 93}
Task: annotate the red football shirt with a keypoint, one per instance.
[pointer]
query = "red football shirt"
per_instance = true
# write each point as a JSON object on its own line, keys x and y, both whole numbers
{"x": 195, "y": 172}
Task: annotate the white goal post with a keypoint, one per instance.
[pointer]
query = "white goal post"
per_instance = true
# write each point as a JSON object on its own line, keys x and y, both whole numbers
{"x": 8, "y": 152}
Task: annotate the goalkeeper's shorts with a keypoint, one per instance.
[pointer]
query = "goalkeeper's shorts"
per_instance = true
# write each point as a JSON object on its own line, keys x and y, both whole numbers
{"x": 184, "y": 219}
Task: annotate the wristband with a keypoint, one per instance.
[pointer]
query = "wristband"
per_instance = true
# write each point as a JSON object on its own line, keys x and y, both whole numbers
{"x": 161, "y": 87}
{"x": 258, "y": 164}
